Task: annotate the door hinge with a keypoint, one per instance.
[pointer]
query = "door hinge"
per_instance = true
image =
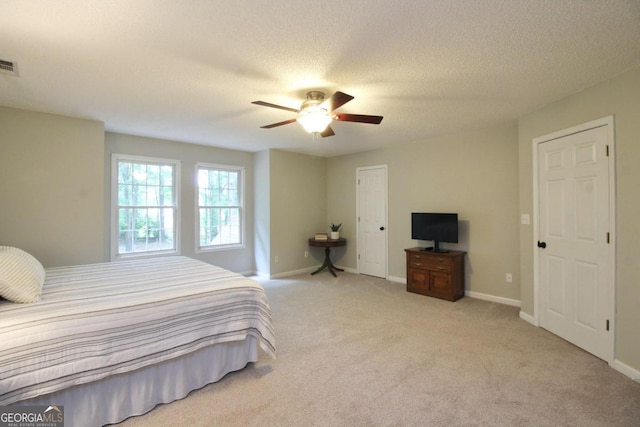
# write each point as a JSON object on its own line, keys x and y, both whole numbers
{"x": 607, "y": 324}
{"x": 359, "y": 258}
{"x": 607, "y": 151}
{"x": 359, "y": 180}
{"x": 608, "y": 237}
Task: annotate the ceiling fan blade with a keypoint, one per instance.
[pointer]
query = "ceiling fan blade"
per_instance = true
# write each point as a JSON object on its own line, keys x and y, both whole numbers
{"x": 327, "y": 132}
{"x": 267, "y": 104}
{"x": 359, "y": 118}
{"x": 337, "y": 100}
{"x": 273, "y": 125}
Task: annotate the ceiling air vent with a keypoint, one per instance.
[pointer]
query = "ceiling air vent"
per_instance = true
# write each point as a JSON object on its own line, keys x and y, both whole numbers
{"x": 9, "y": 68}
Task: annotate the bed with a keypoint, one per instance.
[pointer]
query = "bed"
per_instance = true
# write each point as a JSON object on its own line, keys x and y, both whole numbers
{"x": 112, "y": 340}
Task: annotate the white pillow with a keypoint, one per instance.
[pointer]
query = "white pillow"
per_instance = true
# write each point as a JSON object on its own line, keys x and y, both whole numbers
{"x": 21, "y": 275}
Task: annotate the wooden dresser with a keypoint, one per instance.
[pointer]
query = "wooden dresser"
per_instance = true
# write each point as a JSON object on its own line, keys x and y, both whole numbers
{"x": 436, "y": 274}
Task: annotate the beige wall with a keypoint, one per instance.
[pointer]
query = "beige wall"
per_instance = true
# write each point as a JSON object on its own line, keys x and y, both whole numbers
{"x": 51, "y": 187}
{"x": 474, "y": 174}
{"x": 239, "y": 260}
{"x": 619, "y": 97}
{"x": 298, "y": 200}
{"x": 262, "y": 213}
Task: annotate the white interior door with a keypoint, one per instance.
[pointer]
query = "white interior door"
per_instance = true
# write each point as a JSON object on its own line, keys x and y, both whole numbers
{"x": 372, "y": 221}
{"x": 574, "y": 249}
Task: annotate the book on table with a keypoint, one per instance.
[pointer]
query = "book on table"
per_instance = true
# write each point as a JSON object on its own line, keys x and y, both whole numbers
{"x": 321, "y": 236}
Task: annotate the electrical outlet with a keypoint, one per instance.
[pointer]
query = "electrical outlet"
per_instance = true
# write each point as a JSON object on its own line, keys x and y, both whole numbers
{"x": 509, "y": 278}
{"x": 306, "y": 254}
{"x": 276, "y": 258}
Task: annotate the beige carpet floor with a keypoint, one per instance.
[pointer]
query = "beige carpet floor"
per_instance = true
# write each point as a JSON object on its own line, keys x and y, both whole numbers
{"x": 361, "y": 351}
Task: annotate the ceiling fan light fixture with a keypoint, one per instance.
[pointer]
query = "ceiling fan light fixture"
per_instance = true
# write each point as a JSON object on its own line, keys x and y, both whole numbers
{"x": 315, "y": 114}
{"x": 314, "y": 119}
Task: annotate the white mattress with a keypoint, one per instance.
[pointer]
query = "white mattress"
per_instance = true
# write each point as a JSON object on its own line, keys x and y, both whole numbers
{"x": 94, "y": 321}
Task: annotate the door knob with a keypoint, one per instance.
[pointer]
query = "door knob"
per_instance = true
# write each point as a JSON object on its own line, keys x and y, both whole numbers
{"x": 382, "y": 228}
{"x": 542, "y": 244}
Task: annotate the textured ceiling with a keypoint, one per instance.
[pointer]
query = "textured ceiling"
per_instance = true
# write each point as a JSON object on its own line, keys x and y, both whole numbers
{"x": 188, "y": 70}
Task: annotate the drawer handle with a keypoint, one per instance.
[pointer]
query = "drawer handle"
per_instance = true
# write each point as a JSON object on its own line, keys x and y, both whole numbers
{"x": 441, "y": 259}
{"x": 440, "y": 268}
{"x": 417, "y": 256}
{"x": 418, "y": 264}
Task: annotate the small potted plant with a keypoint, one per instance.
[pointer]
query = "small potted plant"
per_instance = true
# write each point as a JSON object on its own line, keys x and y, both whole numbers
{"x": 335, "y": 231}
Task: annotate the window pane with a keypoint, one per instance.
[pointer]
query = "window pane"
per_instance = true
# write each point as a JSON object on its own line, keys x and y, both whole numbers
{"x": 219, "y": 226}
{"x": 233, "y": 181}
{"x": 203, "y": 178}
{"x": 166, "y": 219}
{"x": 219, "y": 200}
{"x": 153, "y": 196}
{"x": 125, "y": 241}
{"x": 218, "y": 188}
{"x": 124, "y": 194}
{"x": 140, "y": 218}
{"x": 166, "y": 174}
{"x": 223, "y": 181}
{"x": 153, "y": 174}
{"x": 126, "y": 226}
{"x": 209, "y": 220}
{"x": 153, "y": 218}
{"x": 166, "y": 196}
{"x": 145, "y": 206}
{"x": 234, "y": 197}
{"x": 229, "y": 227}
{"x": 139, "y": 173}
{"x": 207, "y": 197}
{"x": 124, "y": 172}
{"x": 125, "y": 219}
{"x": 138, "y": 195}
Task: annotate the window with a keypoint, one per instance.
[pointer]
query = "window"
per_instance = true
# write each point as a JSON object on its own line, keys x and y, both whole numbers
{"x": 220, "y": 201}
{"x": 144, "y": 206}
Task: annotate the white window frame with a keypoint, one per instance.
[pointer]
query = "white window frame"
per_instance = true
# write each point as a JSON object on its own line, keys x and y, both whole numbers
{"x": 115, "y": 159}
{"x": 241, "y": 187}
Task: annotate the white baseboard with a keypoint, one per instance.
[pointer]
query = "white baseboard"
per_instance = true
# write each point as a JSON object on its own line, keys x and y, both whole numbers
{"x": 296, "y": 272}
{"x": 293, "y": 272}
{"x": 528, "y": 318}
{"x": 627, "y": 370}
{"x": 493, "y": 298}
{"x": 471, "y": 294}
{"x": 348, "y": 269}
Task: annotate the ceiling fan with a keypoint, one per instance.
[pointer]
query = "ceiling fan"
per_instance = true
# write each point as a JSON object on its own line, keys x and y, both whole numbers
{"x": 316, "y": 113}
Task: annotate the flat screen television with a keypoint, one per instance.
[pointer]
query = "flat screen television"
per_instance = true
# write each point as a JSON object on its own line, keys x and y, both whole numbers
{"x": 436, "y": 227}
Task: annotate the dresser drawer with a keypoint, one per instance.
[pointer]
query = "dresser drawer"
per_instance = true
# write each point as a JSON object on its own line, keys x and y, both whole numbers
{"x": 430, "y": 262}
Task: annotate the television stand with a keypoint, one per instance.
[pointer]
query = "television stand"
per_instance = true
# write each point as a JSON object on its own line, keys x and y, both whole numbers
{"x": 435, "y": 274}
